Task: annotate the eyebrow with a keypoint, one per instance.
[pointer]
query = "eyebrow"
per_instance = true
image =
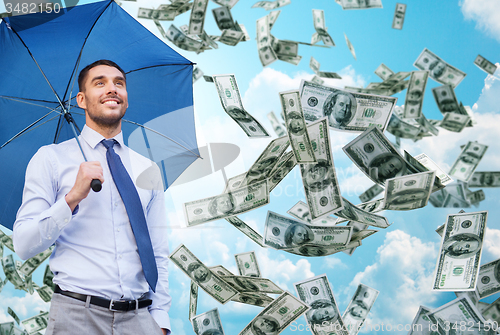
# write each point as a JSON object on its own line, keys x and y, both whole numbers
{"x": 102, "y": 77}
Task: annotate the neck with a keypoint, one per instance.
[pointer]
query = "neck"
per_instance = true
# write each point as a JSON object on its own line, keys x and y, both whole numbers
{"x": 108, "y": 131}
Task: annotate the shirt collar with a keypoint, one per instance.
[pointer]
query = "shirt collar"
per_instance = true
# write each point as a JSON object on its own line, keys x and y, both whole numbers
{"x": 93, "y": 138}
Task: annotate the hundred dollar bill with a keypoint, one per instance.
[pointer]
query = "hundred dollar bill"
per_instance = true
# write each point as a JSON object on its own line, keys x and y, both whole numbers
{"x": 221, "y": 271}
{"x": 197, "y": 18}
{"x": 415, "y": 94}
{"x": 440, "y": 71}
{"x": 446, "y": 99}
{"x": 231, "y": 37}
{"x": 399, "y": 16}
{"x": 351, "y": 212}
{"x": 454, "y": 122}
{"x": 47, "y": 278}
{"x": 11, "y": 272}
{"x": 36, "y": 323}
{"x": 481, "y": 306}
{"x": 314, "y": 65}
{"x": 13, "y": 314}
{"x": 45, "y": 292}
{"x": 277, "y": 126}
{"x": 301, "y": 211}
{"x": 296, "y": 125}
{"x": 265, "y": 165}
{"x": 402, "y": 129}
{"x": 247, "y": 264}
{"x": 350, "y": 46}
{"x": 230, "y": 98}
{"x": 429, "y": 164}
{"x": 255, "y": 299}
{"x": 321, "y": 187}
{"x": 394, "y": 84}
{"x": 371, "y": 193}
{"x": 227, "y": 3}
{"x": 156, "y": 14}
{"x": 31, "y": 264}
{"x": 235, "y": 183}
{"x": 267, "y": 5}
{"x": 346, "y": 111}
{"x": 358, "y": 236}
{"x": 383, "y": 71}
{"x": 286, "y": 164}
{"x": 207, "y": 323}
{"x": 485, "y": 179}
{"x": 197, "y": 74}
{"x": 228, "y": 204}
{"x": 373, "y": 206}
{"x": 2, "y": 283}
{"x": 357, "y": 227}
{"x": 282, "y": 232}
{"x": 247, "y": 230}
{"x": 277, "y": 316}
{"x": 181, "y": 40}
{"x": 457, "y": 311}
{"x": 285, "y": 48}
{"x": 359, "y": 307}
{"x": 475, "y": 197}
{"x": 374, "y": 154}
{"x": 457, "y": 266}
{"x": 193, "y": 299}
{"x": 472, "y": 295}
{"x": 493, "y": 312}
{"x": 6, "y": 240}
{"x": 409, "y": 192}
{"x": 266, "y": 51}
{"x": 467, "y": 161}
{"x": 423, "y": 325}
{"x": 223, "y": 18}
{"x": 367, "y": 4}
{"x": 469, "y": 112}
{"x": 317, "y": 80}
{"x": 332, "y": 75}
{"x": 252, "y": 284}
{"x": 311, "y": 250}
{"x": 272, "y": 17}
{"x": 320, "y": 27}
{"x": 210, "y": 282}
{"x": 324, "y": 316}
{"x": 485, "y": 64}
{"x": 241, "y": 27}
{"x": 7, "y": 327}
{"x": 489, "y": 279}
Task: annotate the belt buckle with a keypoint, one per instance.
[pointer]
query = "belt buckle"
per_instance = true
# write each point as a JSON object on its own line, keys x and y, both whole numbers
{"x": 111, "y": 306}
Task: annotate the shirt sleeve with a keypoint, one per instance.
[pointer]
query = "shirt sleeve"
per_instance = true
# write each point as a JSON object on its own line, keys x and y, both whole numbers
{"x": 41, "y": 218}
{"x": 157, "y": 224}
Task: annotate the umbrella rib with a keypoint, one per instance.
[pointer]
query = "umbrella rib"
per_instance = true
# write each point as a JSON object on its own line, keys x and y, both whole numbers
{"x": 156, "y": 132}
{"x": 28, "y": 128}
{"x": 26, "y": 101}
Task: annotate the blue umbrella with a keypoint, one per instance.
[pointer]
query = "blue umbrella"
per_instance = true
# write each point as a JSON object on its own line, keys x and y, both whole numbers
{"x": 41, "y": 55}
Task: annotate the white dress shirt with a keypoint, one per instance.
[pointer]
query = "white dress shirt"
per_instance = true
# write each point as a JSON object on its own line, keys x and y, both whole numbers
{"x": 96, "y": 252}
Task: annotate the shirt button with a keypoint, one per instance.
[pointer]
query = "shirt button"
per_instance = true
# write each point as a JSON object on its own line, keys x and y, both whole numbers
{"x": 66, "y": 220}
{"x": 118, "y": 230}
{"x": 119, "y": 256}
{"x": 116, "y": 204}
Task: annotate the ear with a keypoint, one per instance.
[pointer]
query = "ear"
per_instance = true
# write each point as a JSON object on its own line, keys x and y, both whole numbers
{"x": 80, "y": 99}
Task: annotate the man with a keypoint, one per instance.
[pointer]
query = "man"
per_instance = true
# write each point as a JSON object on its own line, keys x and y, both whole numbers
{"x": 338, "y": 109}
{"x": 96, "y": 260}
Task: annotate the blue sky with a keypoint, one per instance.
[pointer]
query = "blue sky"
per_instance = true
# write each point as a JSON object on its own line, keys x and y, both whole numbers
{"x": 398, "y": 261}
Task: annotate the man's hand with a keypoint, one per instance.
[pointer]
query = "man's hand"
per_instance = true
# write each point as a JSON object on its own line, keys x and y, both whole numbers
{"x": 81, "y": 189}
{"x": 164, "y": 331}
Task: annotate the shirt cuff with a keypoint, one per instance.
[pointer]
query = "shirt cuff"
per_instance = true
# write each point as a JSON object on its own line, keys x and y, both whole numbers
{"x": 161, "y": 318}
{"x": 61, "y": 213}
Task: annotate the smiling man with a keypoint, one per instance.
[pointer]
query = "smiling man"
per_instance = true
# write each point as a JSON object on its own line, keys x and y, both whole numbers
{"x": 111, "y": 250}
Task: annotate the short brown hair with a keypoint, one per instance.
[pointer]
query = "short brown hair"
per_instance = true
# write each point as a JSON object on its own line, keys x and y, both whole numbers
{"x": 83, "y": 73}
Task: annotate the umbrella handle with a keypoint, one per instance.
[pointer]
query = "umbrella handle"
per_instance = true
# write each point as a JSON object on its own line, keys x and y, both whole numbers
{"x": 96, "y": 185}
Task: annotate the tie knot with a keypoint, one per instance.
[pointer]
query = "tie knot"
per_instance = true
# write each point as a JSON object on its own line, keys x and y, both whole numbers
{"x": 109, "y": 143}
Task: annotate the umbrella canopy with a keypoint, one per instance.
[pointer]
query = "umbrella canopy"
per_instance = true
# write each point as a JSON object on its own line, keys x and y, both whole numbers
{"x": 40, "y": 58}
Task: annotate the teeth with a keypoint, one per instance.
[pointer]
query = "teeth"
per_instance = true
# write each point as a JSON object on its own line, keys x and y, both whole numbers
{"x": 111, "y": 102}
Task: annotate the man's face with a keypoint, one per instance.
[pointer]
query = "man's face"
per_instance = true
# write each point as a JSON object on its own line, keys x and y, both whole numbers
{"x": 264, "y": 324}
{"x": 488, "y": 178}
{"x": 315, "y": 174}
{"x": 390, "y": 168}
{"x": 200, "y": 273}
{"x": 462, "y": 247}
{"x": 224, "y": 204}
{"x": 104, "y": 97}
{"x": 300, "y": 235}
{"x": 324, "y": 313}
{"x": 341, "y": 108}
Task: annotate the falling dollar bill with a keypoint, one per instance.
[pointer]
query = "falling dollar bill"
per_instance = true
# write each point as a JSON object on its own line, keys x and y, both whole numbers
{"x": 350, "y": 46}
{"x": 492, "y": 312}
{"x": 181, "y": 40}
{"x": 351, "y": 212}
{"x": 402, "y": 129}
{"x": 277, "y": 126}
{"x": 415, "y": 94}
{"x": 230, "y": 98}
{"x": 277, "y": 316}
{"x": 6, "y": 240}
{"x": 485, "y": 179}
{"x": 399, "y": 16}
{"x": 267, "y": 5}
{"x": 31, "y": 264}
{"x": 282, "y": 232}
{"x": 320, "y": 27}
{"x": 247, "y": 264}
{"x": 310, "y": 250}
{"x": 14, "y": 315}
{"x": 228, "y": 204}
{"x": 320, "y": 182}
{"x": 296, "y": 126}
{"x": 223, "y": 18}
{"x": 254, "y": 299}
{"x": 210, "y": 282}
{"x": 439, "y": 70}
{"x": 301, "y": 211}
{"x": 421, "y": 324}
{"x": 247, "y": 230}
{"x": 286, "y": 164}
{"x": 457, "y": 266}
{"x": 221, "y": 271}
{"x": 36, "y": 323}
{"x": 11, "y": 272}
{"x": 409, "y": 192}
{"x": 156, "y": 14}
{"x": 266, "y": 51}
{"x": 324, "y": 315}
{"x": 457, "y": 311}
{"x": 207, "y": 323}
{"x": 445, "y": 99}
{"x": 359, "y": 307}
{"x": 197, "y": 74}
{"x": 197, "y": 18}
{"x": 383, "y": 71}
{"x": 231, "y": 37}
{"x": 45, "y": 292}
{"x": 314, "y": 65}
{"x": 489, "y": 279}
{"x": 193, "y": 299}
{"x": 467, "y": 161}
{"x": 346, "y": 111}
{"x": 267, "y": 161}
{"x": 485, "y": 64}
{"x": 454, "y": 122}
{"x": 244, "y": 284}
{"x": 227, "y": 3}
{"x": 429, "y": 164}
{"x": 371, "y": 193}
{"x": 6, "y": 328}
{"x": 366, "y": 4}
{"x": 374, "y": 154}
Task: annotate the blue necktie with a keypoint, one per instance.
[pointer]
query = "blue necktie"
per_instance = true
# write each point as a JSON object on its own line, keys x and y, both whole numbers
{"x": 132, "y": 203}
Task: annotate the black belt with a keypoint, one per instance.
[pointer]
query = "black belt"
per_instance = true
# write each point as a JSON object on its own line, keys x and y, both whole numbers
{"x": 112, "y": 305}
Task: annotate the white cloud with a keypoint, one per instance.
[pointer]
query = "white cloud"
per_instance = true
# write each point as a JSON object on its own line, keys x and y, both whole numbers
{"x": 334, "y": 263}
{"x": 486, "y": 13}
{"x": 489, "y": 100}
{"x": 491, "y": 245}
{"x": 24, "y": 307}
